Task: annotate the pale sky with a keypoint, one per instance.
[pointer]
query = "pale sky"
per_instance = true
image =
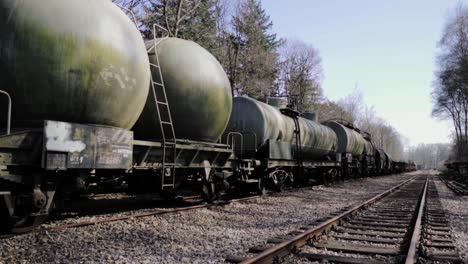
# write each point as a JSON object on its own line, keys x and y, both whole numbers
{"x": 387, "y": 47}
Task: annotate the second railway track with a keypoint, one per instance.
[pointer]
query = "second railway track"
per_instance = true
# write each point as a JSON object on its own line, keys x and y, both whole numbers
{"x": 457, "y": 187}
{"x": 405, "y": 224}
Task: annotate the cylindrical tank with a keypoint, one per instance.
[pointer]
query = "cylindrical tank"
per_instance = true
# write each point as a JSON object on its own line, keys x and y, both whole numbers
{"x": 349, "y": 140}
{"x": 198, "y": 92}
{"x": 268, "y": 123}
{"x": 311, "y": 116}
{"x": 75, "y": 61}
{"x": 276, "y": 102}
{"x": 368, "y": 148}
{"x": 388, "y": 161}
{"x": 379, "y": 159}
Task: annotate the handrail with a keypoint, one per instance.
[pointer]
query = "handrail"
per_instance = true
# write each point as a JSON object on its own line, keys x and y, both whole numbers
{"x": 231, "y": 136}
{"x": 9, "y": 111}
{"x": 254, "y": 137}
{"x": 230, "y": 140}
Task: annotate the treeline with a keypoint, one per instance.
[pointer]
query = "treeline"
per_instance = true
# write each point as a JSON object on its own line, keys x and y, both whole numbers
{"x": 450, "y": 93}
{"x": 429, "y": 156}
{"x": 259, "y": 63}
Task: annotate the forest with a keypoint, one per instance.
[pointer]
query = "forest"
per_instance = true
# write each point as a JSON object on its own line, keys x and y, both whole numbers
{"x": 260, "y": 64}
{"x": 450, "y": 92}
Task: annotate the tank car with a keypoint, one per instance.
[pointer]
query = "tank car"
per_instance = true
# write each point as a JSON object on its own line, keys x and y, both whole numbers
{"x": 186, "y": 120}
{"x": 380, "y": 161}
{"x": 198, "y": 92}
{"x": 284, "y": 143}
{"x": 354, "y": 149}
{"x": 94, "y": 105}
{"x": 65, "y": 61}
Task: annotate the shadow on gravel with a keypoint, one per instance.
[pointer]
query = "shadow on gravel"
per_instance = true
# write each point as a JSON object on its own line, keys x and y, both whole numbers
{"x": 90, "y": 207}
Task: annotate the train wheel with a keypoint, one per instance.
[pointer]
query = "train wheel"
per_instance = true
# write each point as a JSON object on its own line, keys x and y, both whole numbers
{"x": 262, "y": 188}
{"x": 280, "y": 180}
{"x": 7, "y": 221}
{"x": 15, "y": 220}
{"x": 28, "y": 223}
{"x": 209, "y": 191}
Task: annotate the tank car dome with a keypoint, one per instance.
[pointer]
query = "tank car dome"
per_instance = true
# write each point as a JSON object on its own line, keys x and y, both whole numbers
{"x": 74, "y": 61}
{"x": 198, "y": 92}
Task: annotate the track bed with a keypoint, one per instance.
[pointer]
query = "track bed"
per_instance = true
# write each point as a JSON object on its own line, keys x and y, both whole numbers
{"x": 207, "y": 235}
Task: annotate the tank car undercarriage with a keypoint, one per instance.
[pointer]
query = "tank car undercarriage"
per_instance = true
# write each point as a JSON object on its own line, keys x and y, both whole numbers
{"x": 41, "y": 169}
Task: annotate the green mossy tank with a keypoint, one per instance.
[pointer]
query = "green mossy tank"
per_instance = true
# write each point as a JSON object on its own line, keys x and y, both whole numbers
{"x": 268, "y": 123}
{"x": 349, "y": 140}
{"x": 80, "y": 61}
{"x": 198, "y": 92}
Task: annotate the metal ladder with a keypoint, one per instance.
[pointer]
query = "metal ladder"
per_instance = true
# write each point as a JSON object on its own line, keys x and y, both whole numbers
{"x": 169, "y": 143}
{"x": 160, "y": 100}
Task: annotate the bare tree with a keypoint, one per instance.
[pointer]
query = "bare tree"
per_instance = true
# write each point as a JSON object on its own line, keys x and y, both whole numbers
{"x": 429, "y": 155}
{"x": 132, "y": 7}
{"x": 189, "y": 19}
{"x": 450, "y": 92}
{"x": 352, "y": 105}
{"x": 300, "y": 74}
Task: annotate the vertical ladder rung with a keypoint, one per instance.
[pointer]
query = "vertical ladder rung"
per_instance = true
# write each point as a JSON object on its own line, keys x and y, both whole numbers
{"x": 160, "y": 97}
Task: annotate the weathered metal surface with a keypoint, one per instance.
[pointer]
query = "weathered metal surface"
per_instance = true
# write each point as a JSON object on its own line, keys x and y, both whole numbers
{"x": 76, "y": 146}
{"x": 75, "y": 61}
{"x": 349, "y": 140}
{"x": 149, "y": 154}
{"x": 270, "y": 125}
{"x": 369, "y": 150}
{"x": 336, "y": 259}
{"x": 388, "y": 161}
{"x": 21, "y": 149}
{"x": 379, "y": 160}
{"x": 198, "y": 92}
{"x": 359, "y": 248}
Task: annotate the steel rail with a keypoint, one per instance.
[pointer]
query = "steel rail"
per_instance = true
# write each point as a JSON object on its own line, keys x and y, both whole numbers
{"x": 142, "y": 215}
{"x": 154, "y": 213}
{"x": 411, "y": 256}
{"x": 456, "y": 189}
{"x": 282, "y": 249}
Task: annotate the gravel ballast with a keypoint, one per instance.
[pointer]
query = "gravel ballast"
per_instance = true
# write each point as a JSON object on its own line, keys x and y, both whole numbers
{"x": 457, "y": 212}
{"x": 206, "y": 235}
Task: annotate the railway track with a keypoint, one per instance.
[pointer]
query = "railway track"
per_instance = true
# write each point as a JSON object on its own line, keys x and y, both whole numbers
{"x": 114, "y": 209}
{"x": 145, "y": 214}
{"x": 401, "y": 225}
{"x": 184, "y": 204}
{"x": 456, "y": 187}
